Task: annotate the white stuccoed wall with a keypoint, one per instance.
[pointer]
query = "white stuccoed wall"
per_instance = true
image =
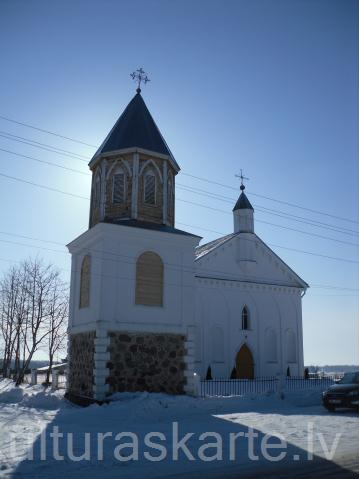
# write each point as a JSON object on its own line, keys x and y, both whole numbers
{"x": 114, "y": 250}
{"x": 257, "y": 278}
{"x": 202, "y": 309}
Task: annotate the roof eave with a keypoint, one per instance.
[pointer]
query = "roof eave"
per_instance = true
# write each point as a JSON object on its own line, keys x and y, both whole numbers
{"x": 298, "y": 278}
{"x": 99, "y": 155}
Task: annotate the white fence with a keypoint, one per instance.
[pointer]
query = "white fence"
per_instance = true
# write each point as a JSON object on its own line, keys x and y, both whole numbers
{"x": 57, "y": 380}
{"x": 240, "y": 387}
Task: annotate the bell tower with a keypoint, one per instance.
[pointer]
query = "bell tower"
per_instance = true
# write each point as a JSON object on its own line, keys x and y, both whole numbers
{"x": 132, "y": 294}
{"x": 133, "y": 171}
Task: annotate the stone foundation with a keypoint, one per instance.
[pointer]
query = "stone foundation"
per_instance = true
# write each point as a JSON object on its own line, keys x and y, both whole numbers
{"x": 146, "y": 362}
{"x": 81, "y": 364}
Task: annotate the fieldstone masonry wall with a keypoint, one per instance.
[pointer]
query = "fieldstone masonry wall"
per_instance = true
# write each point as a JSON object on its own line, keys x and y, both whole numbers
{"x": 81, "y": 364}
{"x": 147, "y": 362}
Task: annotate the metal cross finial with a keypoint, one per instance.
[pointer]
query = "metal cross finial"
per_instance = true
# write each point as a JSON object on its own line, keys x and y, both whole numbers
{"x": 242, "y": 187}
{"x": 139, "y": 76}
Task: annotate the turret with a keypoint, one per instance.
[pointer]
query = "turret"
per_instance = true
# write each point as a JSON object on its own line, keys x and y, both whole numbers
{"x": 243, "y": 214}
{"x": 133, "y": 171}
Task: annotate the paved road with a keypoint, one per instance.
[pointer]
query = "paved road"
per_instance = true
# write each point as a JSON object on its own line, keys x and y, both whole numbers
{"x": 345, "y": 467}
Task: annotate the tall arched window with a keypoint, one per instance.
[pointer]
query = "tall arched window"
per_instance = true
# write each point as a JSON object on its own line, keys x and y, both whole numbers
{"x": 245, "y": 318}
{"x": 217, "y": 344}
{"x": 170, "y": 195}
{"x": 85, "y": 282}
{"x": 149, "y": 188}
{"x": 149, "y": 279}
{"x": 291, "y": 346}
{"x": 118, "y": 186}
{"x": 97, "y": 191}
{"x": 271, "y": 345}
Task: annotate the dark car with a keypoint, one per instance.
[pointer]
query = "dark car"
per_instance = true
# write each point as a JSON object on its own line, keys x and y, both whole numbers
{"x": 345, "y": 393}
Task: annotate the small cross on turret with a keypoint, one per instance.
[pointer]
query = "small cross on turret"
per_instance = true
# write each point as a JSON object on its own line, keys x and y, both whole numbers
{"x": 139, "y": 76}
{"x": 242, "y": 187}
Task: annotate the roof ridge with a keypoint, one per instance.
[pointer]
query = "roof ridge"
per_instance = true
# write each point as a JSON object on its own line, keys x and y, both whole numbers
{"x": 135, "y": 128}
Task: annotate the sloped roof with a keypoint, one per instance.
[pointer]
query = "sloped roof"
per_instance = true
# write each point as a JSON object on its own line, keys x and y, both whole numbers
{"x": 150, "y": 226}
{"x": 208, "y": 247}
{"x": 135, "y": 129}
{"x": 243, "y": 203}
{"x": 205, "y": 249}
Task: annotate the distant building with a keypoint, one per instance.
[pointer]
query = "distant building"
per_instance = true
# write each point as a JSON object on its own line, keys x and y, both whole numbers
{"x": 148, "y": 305}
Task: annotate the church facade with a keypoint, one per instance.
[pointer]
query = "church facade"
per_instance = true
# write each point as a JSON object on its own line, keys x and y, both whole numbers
{"x": 149, "y": 307}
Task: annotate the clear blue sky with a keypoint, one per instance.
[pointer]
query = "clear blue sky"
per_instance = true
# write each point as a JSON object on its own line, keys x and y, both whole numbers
{"x": 267, "y": 86}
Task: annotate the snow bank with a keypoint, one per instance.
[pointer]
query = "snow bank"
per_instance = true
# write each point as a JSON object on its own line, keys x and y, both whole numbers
{"x": 304, "y": 398}
{"x": 30, "y": 396}
{"x": 149, "y": 406}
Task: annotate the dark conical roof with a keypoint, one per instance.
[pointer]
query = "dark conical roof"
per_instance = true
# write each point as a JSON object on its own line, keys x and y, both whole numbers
{"x": 135, "y": 129}
{"x": 243, "y": 203}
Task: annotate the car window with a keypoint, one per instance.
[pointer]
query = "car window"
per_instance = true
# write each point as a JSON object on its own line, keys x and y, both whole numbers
{"x": 350, "y": 378}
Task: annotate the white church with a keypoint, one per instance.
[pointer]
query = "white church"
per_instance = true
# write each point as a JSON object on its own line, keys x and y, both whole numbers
{"x": 149, "y": 306}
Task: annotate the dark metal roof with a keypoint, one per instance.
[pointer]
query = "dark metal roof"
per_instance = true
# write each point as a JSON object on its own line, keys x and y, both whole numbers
{"x": 208, "y": 247}
{"x": 135, "y": 128}
{"x": 150, "y": 226}
{"x": 243, "y": 203}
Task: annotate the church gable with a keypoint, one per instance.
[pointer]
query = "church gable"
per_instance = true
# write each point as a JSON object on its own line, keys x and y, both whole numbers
{"x": 244, "y": 257}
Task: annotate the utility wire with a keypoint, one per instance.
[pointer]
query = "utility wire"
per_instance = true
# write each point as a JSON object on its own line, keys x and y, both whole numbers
{"x": 175, "y": 266}
{"x": 211, "y": 195}
{"x": 189, "y": 175}
{"x": 178, "y": 199}
{"x": 204, "y": 229}
{"x": 47, "y": 131}
{"x": 281, "y": 214}
{"x": 46, "y": 162}
{"x": 29, "y": 140}
{"x": 272, "y": 199}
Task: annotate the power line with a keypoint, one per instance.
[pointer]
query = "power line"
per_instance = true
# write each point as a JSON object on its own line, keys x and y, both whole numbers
{"x": 178, "y": 199}
{"x": 272, "y": 224}
{"x": 43, "y": 186}
{"x": 16, "y": 138}
{"x": 253, "y": 280}
{"x": 208, "y": 194}
{"x": 50, "y": 149}
{"x": 204, "y": 229}
{"x": 46, "y": 162}
{"x": 188, "y": 174}
{"x": 47, "y": 131}
{"x": 263, "y": 209}
{"x": 175, "y": 266}
{"x": 271, "y": 199}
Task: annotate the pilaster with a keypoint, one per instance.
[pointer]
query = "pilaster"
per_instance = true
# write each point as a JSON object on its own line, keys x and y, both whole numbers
{"x": 101, "y": 357}
{"x": 190, "y": 386}
{"x": 165, "y": 192}
{"x": 103, "y": 189}
{"x": 135, "y": 179}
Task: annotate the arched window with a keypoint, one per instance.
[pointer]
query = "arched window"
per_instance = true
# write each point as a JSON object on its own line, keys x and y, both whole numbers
{"x": 118, "y": 186}
{"x": 149, "y": 279}
{"x": 97, "y": 191}
{"x": 271, "y": 345}
{"x": 170, "y": 196}
{"x": 245, "y": 318}
{"x": 149, "y": 189}
{"x": 291, "y": 347}
{"x": 85, "y": 282}
{"x": 217, "y": 344}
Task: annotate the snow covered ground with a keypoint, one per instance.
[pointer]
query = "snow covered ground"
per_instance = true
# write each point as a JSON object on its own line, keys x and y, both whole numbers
{"x": 43, "y": 436}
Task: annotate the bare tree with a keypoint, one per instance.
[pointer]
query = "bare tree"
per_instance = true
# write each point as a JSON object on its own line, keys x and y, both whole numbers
{"x": 58, "y": 314}
{"x": 33, "y": 309}
{"x": 11, "y": 319}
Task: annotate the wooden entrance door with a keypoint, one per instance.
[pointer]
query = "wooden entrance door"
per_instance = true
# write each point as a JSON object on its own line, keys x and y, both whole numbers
{"x": 245, "y": 363}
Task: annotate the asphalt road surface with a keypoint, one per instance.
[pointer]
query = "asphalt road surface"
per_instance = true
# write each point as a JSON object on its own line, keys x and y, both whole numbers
{"x": 346, "y": 466}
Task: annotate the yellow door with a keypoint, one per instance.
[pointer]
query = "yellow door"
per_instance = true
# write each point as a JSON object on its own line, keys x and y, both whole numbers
{"x": 245, "y": 363}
